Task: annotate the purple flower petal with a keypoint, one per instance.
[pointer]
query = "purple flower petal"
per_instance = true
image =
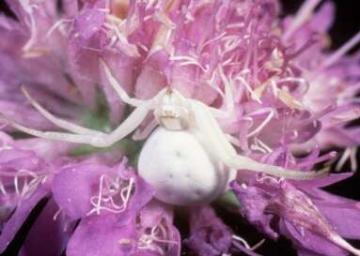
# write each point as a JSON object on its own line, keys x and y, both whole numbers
{"x": 208, "y": 234}
{"x": 47, "y": 236}
{"x": 341, "y": 213}
{"x": 89, "y": 188}
{"x": 19, "y": 216}
{"x": 105, "y": 235}
{"x": 74, "y": 186}
{"x": 120, "y": 234}
{"x": 157, "y": 232}
{"x": 310, "y": 242}
{"x": 308, "y": 220}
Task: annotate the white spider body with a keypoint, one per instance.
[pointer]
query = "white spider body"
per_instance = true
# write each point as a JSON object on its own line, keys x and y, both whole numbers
{"x": 181, "y": 170}
{"x": 187, "y": 159}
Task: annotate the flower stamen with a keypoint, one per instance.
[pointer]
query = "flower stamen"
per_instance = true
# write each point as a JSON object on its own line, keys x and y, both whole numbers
{"x": 2, "y": 189}
{"x": 110, "y": 191}
{"x": 148, "y": 241}
{"x": 266, "y": 121}
{"x": 303, "y": 15}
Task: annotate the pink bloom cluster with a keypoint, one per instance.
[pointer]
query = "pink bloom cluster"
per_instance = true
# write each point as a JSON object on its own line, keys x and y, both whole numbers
{"x": 278, "y": 93}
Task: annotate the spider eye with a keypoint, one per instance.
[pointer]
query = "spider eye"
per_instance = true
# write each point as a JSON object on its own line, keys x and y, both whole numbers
{"x": 173, "y": 112}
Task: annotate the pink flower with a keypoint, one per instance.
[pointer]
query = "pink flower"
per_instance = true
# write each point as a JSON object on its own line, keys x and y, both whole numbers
{"x": 332, "y": 77}
{"x": 270, "y": 85}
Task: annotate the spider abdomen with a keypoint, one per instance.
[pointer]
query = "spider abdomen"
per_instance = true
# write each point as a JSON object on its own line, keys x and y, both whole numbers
{"x": 180, "y": 169}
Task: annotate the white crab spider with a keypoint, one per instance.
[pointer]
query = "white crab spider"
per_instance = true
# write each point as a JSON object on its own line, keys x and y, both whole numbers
{"x": 187, "y": 159}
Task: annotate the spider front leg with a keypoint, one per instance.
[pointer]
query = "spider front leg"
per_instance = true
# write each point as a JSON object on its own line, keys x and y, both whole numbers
{"x": 118, "y": 88}
{"x": 84, "y": 135}
{"x": 215, "y": 141}
{"x": 62, "y": 123}
{"x": 94, "y": 138}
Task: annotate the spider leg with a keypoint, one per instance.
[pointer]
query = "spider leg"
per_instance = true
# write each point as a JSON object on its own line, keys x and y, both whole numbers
{"x": 233, "y": 140}
{"x": 98, "y": 139}
{"x": 74, "y": 128}
{"x": 117, "y": 87}
{"x": 218, "y": 113}
{"x": 141, "y": 135}
{"x": 227, "y": 112}
{"x": 249, "y": 164}
{"x": 61, "y": 136}
{"x": 212, "y": 137}
{"x": 130, "y": 123}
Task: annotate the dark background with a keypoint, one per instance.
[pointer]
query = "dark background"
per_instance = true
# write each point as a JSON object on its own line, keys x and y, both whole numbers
{"x": 346, "y": 25}
{"x": 347, "y": 21}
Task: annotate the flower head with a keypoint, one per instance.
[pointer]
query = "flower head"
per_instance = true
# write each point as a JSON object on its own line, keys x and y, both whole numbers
{"x": 266, "y": 89}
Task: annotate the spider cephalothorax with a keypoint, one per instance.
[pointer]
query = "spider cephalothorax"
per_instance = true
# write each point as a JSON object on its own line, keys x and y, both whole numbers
{"x": 188, "y": 159}
{"x": 173, "y": 111}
